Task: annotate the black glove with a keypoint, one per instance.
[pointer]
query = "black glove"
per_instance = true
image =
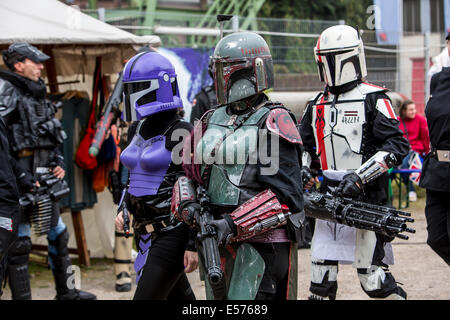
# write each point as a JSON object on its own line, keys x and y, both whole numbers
{"x": 26, "y": 182}
{"x": 224, "y": 230}
{"x": 307, "y": 175}
{"x": 350, "y": 187}
{"x": 187, "y": 212}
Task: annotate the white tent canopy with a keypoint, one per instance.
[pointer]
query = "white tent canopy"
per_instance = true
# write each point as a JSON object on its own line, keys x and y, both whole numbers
{"x": 52, "y": 22}
{"x": 72, "y": 38}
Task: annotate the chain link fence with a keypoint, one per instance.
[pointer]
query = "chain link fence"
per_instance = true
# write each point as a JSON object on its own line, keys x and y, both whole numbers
{"x": 400, "y": 68}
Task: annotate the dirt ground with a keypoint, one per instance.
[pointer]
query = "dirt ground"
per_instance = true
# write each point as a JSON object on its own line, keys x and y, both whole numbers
{"x": 424, "y": 274}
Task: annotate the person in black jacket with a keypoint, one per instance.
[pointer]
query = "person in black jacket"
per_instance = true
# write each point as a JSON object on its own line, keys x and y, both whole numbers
{"x": 436, "y": 166}
{"x": 12, "y": 175}
{"x": 204, "y": 100}
{"x": 35, "y": 136}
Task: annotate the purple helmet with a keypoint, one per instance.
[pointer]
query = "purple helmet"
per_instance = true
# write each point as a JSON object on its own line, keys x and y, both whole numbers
{"x": 149, "y": 86}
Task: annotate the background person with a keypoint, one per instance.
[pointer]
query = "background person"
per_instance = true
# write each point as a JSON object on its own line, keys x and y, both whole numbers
{"x": 442, "y": 59}
{"x": 35, "y": 137}
{"x": 415, "y": 129}
{"x": 12, "y": 176}
{"x": 204, "y": 100}
{"x": 436, "y": 166}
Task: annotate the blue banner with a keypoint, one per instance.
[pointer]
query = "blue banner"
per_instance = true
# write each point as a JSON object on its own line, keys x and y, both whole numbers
{"x": 388, "y": 21}
{"x": 447, "y": 15}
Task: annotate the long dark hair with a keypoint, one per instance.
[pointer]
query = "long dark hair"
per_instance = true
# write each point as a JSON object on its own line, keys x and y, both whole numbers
{"x": 403, "y": 108}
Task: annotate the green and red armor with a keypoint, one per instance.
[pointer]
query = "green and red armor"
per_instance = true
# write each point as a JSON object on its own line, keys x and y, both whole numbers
{"x": 264, "y": 210}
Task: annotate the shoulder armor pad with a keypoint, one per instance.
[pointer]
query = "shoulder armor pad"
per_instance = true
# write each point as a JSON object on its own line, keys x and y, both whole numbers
{"x": 385, "y": 107}
{"x": 207, "y": 115}
{"x": 7, "y": 98}
{"x": 367, "y": 88}
{"x": 280, "y": 122}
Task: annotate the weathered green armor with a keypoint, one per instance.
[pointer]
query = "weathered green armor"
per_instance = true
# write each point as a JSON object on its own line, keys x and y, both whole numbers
{"x": 230, "y": 164}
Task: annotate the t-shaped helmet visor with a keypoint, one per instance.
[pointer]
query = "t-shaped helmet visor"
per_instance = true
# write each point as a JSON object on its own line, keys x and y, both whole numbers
{"x": 237, "y": 57}
{"x": 149, "y": 86}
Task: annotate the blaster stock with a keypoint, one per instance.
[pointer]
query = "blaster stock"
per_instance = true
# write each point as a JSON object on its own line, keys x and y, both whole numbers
{"x": 126, "y": 222}
{"x": 126, "y": 215}
{"x": 111, "y": 113}
{"x": 357, "y": 214}
{"x": 206, "y": 236}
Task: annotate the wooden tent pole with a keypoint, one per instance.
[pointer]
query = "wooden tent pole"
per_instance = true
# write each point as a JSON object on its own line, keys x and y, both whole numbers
{"x": 50, "y": 67}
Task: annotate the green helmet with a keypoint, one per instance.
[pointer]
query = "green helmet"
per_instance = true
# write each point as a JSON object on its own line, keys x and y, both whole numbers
{"x": 242, "y": 67}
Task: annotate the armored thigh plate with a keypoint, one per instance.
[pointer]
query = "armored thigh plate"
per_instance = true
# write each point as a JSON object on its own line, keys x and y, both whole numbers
{"x": 247, "y": 274}
{"x": 365, "y": 246}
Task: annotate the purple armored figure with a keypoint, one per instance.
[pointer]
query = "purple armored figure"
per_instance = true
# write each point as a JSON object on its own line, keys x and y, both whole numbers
{"x": 166, "y": 248}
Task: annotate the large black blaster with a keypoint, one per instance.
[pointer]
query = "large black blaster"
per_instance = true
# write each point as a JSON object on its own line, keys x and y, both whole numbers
{"x": 207, "y": 239}
{"x": 383, "y": 220}
{"x": 38, "y": 204}
{"x": 108, "y": 118}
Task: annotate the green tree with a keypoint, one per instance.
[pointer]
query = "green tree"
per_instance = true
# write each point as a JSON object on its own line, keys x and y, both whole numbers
{"x": 352, "y": 11}
{"x": 296, "y": 54}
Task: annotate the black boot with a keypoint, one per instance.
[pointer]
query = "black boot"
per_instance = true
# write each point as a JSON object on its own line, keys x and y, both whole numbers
{"x": 123, "y": 282}
{"x": 17, "y": 269}
{"x": 63, "y": 272}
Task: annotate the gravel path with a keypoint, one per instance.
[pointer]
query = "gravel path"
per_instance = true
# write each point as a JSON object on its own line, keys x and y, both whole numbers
{"x": 423, "y": 274}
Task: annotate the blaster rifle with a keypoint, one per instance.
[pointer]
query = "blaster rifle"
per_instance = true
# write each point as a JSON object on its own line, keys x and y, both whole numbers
{"x": 111, "y": 113}
{"x": 206, "y": 236}
{"x": 39, "y": 202}
{"x": 361, "y": 215}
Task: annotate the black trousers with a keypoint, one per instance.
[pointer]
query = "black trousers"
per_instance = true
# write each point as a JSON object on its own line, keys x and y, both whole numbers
{"x": 274, "y": 283}
{"x": 163, "y": 276}
{"x": 437, "y": 212}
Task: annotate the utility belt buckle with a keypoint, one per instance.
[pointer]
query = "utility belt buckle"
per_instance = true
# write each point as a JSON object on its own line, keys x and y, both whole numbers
{"x": 443, "y": 155}
{"x": 43, "y": 170}
{"x": 161, "y": 226}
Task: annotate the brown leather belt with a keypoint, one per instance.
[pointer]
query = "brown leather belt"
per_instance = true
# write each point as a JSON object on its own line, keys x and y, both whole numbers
{"x": 25, "y": 153}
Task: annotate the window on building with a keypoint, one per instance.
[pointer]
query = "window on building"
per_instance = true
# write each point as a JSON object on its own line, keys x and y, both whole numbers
{"x": 411, "y": 16}
{"x": 437, "y": 16}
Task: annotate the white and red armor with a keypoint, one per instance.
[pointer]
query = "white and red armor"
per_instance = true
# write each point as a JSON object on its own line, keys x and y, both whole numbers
{"x": 338, "y": 122}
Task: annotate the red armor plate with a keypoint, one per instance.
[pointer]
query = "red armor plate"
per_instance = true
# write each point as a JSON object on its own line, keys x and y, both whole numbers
{"x": 280, "y": 122}
{"x": 175, "y": 203}
{"x": 183, "y": 190}
{"x": 258, "y": 208}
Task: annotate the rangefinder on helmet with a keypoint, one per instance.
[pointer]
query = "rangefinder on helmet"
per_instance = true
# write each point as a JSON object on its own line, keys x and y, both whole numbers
{"x": 149, "y": 86}
{"x": 339, "y": 55}
{"x": 242, "y": 67}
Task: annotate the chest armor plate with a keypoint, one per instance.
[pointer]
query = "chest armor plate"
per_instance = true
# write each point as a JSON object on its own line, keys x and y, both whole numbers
{"x": 338, "y": 130}
{"x": 230, "y": 157}
{"x": 148, "y": 161}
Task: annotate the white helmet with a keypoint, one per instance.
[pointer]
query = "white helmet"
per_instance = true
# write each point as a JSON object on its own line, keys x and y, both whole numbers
{"x": 339, "y": 55}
